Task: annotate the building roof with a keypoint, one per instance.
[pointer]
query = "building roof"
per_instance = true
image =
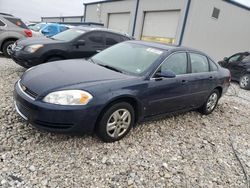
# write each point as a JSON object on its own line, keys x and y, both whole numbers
{"x": 233, "y": 2}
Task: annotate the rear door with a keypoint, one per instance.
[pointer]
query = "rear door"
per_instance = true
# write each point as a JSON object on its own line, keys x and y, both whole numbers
{"x": 94, "y": 43}
{"x": 170, "y": 94}
{"x": 202, "y": 80}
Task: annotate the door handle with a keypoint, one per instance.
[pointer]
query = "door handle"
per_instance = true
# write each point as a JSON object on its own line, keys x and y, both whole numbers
{"x": 211, "y": 78}
{"x": 184, "y": 82}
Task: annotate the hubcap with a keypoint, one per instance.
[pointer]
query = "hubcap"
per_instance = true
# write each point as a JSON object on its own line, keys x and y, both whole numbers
{"x": 9, "y": 49}
{"x": 212, "y": 100}
{"x": 244, "y": 81}
{"x": 118, "y": 123}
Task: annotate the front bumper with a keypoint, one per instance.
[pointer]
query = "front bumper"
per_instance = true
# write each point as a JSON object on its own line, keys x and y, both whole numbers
{"x": 73, "y": 120}
{"x": 24, "y": 59}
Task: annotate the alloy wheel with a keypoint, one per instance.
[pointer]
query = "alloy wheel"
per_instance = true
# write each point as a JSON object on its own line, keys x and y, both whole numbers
{"x": 244, "y": 81}
{"x": 212, "y": 101}
{"x": 9, "y": 48}
{"x": 118, "y": 123}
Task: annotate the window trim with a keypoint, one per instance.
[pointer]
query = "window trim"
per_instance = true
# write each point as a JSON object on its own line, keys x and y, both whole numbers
{"x": 189, "y": 72}
{"x": 209, "y": 70}
{"x": 210, "y": 67}
{"x": 152, "y": 75}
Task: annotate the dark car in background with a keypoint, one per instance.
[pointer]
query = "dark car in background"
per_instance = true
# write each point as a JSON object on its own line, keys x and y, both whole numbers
{"x": 78, "y": 42}
{"x": 11, "y": 30}
{"x": 124, "y": 84}
{"x": 239, "y": 66}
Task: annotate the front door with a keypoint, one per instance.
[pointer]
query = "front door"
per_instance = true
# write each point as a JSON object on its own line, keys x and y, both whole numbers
{"x": 167, "y": 95}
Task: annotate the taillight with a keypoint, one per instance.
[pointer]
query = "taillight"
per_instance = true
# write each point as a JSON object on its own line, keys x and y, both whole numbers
{"x": 28, "y": 32}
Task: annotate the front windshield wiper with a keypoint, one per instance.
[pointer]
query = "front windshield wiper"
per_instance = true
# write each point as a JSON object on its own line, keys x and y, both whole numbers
{"x": 110, "y": 67}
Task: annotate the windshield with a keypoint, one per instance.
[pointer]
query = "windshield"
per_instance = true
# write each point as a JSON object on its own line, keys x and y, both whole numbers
{"x": 128, "y": 57}
{"x": 38, "y": 27}
{"x": 68, "y": 35}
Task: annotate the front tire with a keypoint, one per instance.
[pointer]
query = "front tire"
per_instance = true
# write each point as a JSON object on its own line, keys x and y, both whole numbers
{"x": 7, "y": 48}
{"x": 211, "y": 103}
{"x": 245, "y": 82}
{"x": 116, "y": 122}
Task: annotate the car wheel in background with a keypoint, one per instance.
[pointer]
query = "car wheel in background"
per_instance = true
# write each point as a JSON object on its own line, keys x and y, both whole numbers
{"x": 211, "y": 102}
{"x": 116, "y": 122}
{"x": 7, "y": 48}
{"x": 245, "y": 81}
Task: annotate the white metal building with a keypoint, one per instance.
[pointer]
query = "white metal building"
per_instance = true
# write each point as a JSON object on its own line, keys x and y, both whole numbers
{"x": 217, "y": 27}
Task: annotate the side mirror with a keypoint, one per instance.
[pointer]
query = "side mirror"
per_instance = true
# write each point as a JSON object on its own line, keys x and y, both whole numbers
{"x": 165, "y": 74}
{"x": 80, "y": 43}
{"x": 225, "y": 59}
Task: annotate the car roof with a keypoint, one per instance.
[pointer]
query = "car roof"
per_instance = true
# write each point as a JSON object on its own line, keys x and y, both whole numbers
{"x": 166, "y": 47}
{"x": 7, "y": 15}
{"x": 89, "y": 28}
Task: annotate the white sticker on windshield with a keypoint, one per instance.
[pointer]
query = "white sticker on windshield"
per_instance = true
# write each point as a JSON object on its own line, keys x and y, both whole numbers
{"x": 155, "y": 51}
{"x": 138, "y": 70}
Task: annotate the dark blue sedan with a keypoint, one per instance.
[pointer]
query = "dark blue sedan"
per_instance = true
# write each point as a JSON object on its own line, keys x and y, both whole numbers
{"x": 127, "y": 83}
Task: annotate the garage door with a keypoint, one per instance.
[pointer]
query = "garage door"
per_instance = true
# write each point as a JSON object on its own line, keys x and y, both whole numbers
{"x": 119, "y": 22}
{"x": 160, "y": 26}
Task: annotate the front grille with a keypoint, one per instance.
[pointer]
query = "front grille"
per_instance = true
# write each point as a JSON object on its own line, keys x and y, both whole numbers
{"x": 27, "y": 91}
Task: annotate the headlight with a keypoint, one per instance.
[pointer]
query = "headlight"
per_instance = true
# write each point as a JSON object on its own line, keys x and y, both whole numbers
{"x": 33, "y": 48}
{"x": 68, "y": 97}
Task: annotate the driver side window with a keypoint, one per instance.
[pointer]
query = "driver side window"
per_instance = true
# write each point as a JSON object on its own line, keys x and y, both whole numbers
{"x": 234, "y": 58}
{"x": 176, "y": 63}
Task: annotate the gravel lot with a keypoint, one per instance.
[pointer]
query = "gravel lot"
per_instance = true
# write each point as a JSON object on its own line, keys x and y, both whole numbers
{"x": 188, "y": 150}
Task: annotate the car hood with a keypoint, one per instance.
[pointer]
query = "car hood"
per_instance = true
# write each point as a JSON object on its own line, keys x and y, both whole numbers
{"x": 37, "y": 40}
{"x": 52, "y": 76}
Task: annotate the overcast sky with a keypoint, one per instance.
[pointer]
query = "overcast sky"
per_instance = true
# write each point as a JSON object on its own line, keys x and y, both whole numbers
{"x": 33, "y": 10}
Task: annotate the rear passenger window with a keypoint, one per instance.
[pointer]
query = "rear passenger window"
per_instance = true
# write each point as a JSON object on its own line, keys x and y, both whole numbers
{"x": 1, "y": 23}
{"x": 95, "y": 38}
{"x": 199, "y": 63}
{"x": 213, "y": 66}
{"x": 17, "y": 22}
{"x": 176, "y": 63}
{"x": 112, "y": 39}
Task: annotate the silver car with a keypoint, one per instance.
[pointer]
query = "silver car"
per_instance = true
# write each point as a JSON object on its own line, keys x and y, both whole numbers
{"x": 11, "y": 29}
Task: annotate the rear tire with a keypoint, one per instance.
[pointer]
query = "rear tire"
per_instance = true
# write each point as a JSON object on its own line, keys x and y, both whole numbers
{"x": 245, "y": 82}
{"x": 211, "y": 103}
{"x": 7, "y": 47}
{"x": 116, "y": 122}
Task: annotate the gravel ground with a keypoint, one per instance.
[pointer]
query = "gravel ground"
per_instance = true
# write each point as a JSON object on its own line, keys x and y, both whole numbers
{"x": 188, "y": 150}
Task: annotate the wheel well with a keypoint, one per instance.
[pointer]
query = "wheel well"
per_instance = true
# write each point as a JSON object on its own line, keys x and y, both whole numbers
{"x": 6, "y": 40}
{"x": 219, "y": 89}
{"x": 129, "y": 100}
